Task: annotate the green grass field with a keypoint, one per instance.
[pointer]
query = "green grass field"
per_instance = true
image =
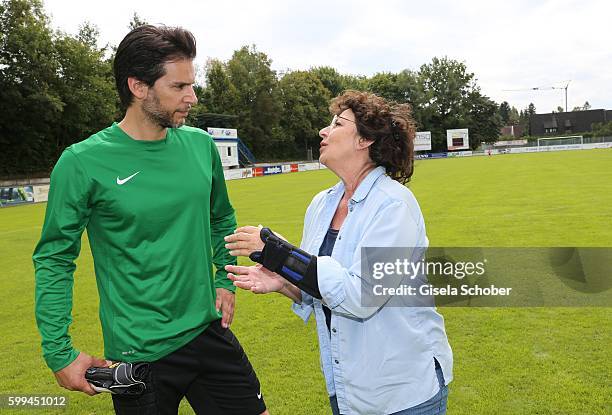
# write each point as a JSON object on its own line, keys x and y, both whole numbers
{"x": 507, "y": 361}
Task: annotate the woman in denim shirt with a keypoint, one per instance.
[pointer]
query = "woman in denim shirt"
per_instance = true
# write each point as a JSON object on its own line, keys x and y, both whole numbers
{"x": 380, "y": 359}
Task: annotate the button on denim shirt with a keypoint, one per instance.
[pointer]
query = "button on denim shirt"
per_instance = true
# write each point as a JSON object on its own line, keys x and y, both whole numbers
{"x": 375, "y": 360}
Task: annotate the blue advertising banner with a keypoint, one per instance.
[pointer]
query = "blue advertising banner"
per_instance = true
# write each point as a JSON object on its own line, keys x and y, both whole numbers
{"x": 272, "y": 170}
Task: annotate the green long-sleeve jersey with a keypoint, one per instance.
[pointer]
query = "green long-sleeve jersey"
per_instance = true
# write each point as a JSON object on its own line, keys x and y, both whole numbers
{"x": 156, "y": 213}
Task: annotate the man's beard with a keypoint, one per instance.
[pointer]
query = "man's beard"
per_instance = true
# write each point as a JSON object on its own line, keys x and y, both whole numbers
{"x": 157, "y": 115}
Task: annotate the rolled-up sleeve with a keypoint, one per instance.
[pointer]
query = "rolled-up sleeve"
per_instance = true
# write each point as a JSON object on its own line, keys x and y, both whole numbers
{"x": 341, "y": 287}
{"x": 305, "y": 308}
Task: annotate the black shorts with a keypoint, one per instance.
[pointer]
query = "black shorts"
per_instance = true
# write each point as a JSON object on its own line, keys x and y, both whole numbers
{"x": 212, "y": 372}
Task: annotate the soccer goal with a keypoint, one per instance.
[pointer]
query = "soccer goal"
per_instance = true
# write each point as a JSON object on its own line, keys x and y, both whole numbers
{"x": 560, "y": 141}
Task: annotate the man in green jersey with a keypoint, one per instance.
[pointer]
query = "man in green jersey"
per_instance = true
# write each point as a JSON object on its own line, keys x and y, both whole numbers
{"x": 152, "y": 196}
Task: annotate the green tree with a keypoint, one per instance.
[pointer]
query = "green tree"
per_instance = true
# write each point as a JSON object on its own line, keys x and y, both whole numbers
{"x": 220, "y": 95}
{"x": 29, "y": 107}
{"x": 504, "y": 112}
{"x": 356, "y": 82}
{"x": 446, "y": 83}
{"x": 525, "y": 117}
{"x": 385, "y": 84}
{"x": 330, "y": 78}
{"x": 449, "y": 98}
{"x": 337, "y": 83}
{"x": 445, "y": 87}
{"x": 601, "y": 129}
{"x": 304, "y": 100}
{"x": 136, "y": 21}
{"x": 531, "y": 109}
{"x": 514, "y": 118}
{"x": 401, "y": 87}
{"x": 258, "y": 106}
{"x": 55, "y": 89}
{"x": 85, "y": 84}
{"x": 408, "y": 84}
{"x": 585, "y": 107}
{"x": 483, "y": 120}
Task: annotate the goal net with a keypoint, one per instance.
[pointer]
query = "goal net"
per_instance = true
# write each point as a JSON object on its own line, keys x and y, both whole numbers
{"x": 560, "y": 141}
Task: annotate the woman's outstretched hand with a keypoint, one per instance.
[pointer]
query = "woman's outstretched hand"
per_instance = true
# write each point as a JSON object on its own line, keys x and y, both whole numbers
{"x": 245, "y": 240}
{"x": 256, "y": 279}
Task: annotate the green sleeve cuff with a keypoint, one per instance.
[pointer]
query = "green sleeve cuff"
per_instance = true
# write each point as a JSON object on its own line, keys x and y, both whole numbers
{"x": 58, "y": 361}
{"x": 221, "y": 281}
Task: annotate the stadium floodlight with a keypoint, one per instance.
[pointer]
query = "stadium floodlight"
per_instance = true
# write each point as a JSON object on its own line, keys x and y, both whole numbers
{"x": 555, "y": 141}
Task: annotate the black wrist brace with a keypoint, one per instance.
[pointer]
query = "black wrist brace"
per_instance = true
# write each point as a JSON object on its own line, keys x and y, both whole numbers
{"x": 295, "y": 265}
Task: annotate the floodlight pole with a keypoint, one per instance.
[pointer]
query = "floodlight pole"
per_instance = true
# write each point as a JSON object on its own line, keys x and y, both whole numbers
{"x": 565, "y": 87}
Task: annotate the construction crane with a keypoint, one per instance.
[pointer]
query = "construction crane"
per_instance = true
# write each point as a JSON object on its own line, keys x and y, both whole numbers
{"x": 544, "y": 88}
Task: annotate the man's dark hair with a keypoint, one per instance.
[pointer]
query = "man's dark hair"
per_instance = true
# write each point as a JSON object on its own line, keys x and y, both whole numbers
{"x": 143, "y": 53}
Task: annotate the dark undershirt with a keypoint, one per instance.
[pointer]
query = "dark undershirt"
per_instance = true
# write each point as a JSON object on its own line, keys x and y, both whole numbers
{"x": 326, "y": 250}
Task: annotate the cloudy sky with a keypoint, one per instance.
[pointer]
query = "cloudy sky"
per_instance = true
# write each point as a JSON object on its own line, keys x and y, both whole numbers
{"x": 508, "y": 45}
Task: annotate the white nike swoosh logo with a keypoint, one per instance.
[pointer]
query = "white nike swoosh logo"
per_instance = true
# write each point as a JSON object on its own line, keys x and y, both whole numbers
{"x": 259, "y": 395}
{"x": 122, "y": 181}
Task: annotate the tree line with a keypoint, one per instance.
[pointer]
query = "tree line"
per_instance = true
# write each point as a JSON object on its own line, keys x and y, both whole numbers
{"x": 57, "y": 89}
{"x": 281, "y": 115}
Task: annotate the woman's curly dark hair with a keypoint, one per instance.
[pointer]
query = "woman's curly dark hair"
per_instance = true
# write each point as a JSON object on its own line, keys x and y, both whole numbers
{"x": 389, "y": 124}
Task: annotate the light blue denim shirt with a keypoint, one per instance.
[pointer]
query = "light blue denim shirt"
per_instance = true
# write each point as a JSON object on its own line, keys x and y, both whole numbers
{"x": 375, "y": 360}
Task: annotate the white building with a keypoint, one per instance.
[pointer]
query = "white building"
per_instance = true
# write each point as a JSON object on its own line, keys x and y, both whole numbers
{"x": 226, "y": 140}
